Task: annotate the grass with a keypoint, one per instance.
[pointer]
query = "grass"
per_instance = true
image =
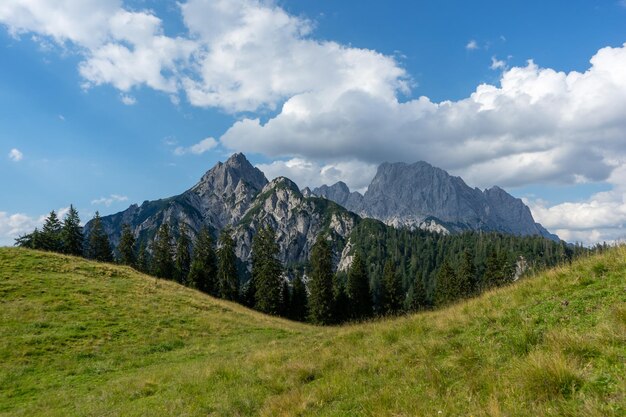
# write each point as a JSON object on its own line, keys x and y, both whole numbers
{"x": 82, "y": 338}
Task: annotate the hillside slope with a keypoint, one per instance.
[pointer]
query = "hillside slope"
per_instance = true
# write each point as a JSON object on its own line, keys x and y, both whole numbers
{"x": 82, "y": 338}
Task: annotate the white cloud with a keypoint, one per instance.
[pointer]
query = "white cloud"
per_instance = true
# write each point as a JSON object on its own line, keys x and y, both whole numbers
{"x": 16, "y": 155}
{"x": 14, "y": 225}
{"x": 17, "y": 224}
{"x": 472, "y": 45}
{"x": 61, "y": 117}
{"x": 198, "y": 149}
{"x": 128, "y": 100}
{"x": 306, "y": 173}
{"x": 497, "y": 64}
{"x": 107, "y": 201}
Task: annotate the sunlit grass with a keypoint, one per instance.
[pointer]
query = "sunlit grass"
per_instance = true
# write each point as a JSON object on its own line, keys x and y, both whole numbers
{"x": 82, "y": 338}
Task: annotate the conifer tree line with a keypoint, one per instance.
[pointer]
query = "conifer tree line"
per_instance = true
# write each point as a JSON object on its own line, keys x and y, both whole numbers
{"x": 391, "y": 271}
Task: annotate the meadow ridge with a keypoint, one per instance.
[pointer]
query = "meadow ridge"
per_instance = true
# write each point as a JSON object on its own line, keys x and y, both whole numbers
{"x": 84, "y": 338}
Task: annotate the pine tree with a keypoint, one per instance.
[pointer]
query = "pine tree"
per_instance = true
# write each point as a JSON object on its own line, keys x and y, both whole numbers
{"x": 51, "y": 233}
{"x": 266, "y": 271}
{"x": 183, "y": 257}
{"x": 72, "y": 234}
{"x": 392, "y": 296}
{"x": 162, "y": 262}
{"x": 98, "y": 247}
{"x": 418, "y": 299}
{"x": 203, "y": 271}
{"x": 227, "y": 277}
{"x": 321, "y": 283}
{"x": 358, "y": 289}
{"x": 341, "y": 304}
{"x": 30, "y": 240}
{"x": 445, "y": 290}
{"x": 299, "y": 300}
{"x": 143, "y": 259}
{"x": 466, "y": 278}
{"x": 126, "y": 247}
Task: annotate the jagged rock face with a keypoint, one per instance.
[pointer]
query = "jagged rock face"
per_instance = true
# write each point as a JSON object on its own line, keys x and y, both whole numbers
{"x": 225, "y": 192}
{"x": 340, "y": 194}
{"x": 220, "y": 198}
{"x": 236, "y": 194}
{"x": 296, "y": 219}
{"x": 422, "y": 196}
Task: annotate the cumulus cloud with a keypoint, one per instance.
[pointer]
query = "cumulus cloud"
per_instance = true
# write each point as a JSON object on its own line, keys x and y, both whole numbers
{"x": 14, "y": 225}
{"x": 15, "y": 155}
{"x": 198, "y": 149}
{"x": 107, "y": 201}
{"x": 497, "y": 64}
{"x": 306, "y": 173}
{"x": 17, "y": 224}
{"x": 472, "y": 45}
{"x": 128, "y": 99}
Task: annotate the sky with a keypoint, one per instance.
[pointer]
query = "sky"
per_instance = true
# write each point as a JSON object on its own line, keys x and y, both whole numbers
{"x": 105, "y": 103}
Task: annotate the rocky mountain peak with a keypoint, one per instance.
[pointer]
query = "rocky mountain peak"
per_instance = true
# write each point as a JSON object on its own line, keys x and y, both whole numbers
{"x": 282, "y": 183}
{"x": 225, "y": 177}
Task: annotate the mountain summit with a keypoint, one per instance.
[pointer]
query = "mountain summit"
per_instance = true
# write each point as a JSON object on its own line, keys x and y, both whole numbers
{"x": 421, "y": 195}
{"x": 236, "y": 194}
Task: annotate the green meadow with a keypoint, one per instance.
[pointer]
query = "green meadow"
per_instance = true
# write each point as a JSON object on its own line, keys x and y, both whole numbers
{"x": 80, "y": 338}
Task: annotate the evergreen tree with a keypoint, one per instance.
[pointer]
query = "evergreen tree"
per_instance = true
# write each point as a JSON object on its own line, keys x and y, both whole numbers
{"x": 446, "y": 290}
{"x": 266, "y": 271}
{"x": 341, "y": 304}
{"x": 466, "y": 278}
{"x": 29, "y": 240}
{"x": 358, "y": 289}
{"x": 51, "y": 233}
{"x": 98, "y": 247}
{"x": 162, "y": 262}
{"x": 299, "y": 300}
{"x": 183, "y": 257}
{"x": 143, "y": 259}
{"x": 321, "y": 282}
{"x": 227, "y": 277}
{"x": 203, "y": 271}
{"x": 72, "y": 234}
{"x": 391, "y": 295}
{"x": 417, "y": 298}
{"x": 285, "y": 299}
{"x": 126, "y": 247}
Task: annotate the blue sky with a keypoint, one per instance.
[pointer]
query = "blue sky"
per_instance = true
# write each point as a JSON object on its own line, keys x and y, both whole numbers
{"x": 103, "y": 109}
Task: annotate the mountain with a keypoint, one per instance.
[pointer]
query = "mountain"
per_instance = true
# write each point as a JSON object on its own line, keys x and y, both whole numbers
{"x": 236, "y": 194}
{"x": 82, "y": 338}
{"x": 419, "y": 195}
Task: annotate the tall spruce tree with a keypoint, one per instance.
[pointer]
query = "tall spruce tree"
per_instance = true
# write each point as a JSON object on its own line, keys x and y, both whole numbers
{"x": 299, "y": 300}
{"x": 266, "y": 271}
{"x": 51, "y": 233}
{"x": 183, "y": 255}
{"x": 162, "y": 261}
{"x": 98, "y": 247}
{"x": 391, "y": 294}
{"x": 358, "y": 289}
{"x": 341, "y": 304}
{"x": 72, "y": 233}
{"x": 126, "y": 247}
{"x": 446, "y": 289}
{"x": 203, "y": 270}
{"x": 143, "y": 259}
{"x": 417, "y": 299}
{"x": 227, "y": 276}
{"x": 466, "y": 277}
{"x": 321, "y": 282}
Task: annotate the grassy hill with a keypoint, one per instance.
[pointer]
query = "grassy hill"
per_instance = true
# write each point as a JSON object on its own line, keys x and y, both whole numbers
{"x": 82, "y": 338}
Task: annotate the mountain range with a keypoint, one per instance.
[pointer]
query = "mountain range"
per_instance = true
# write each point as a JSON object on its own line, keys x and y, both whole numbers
{"x": 235, "y": 194}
